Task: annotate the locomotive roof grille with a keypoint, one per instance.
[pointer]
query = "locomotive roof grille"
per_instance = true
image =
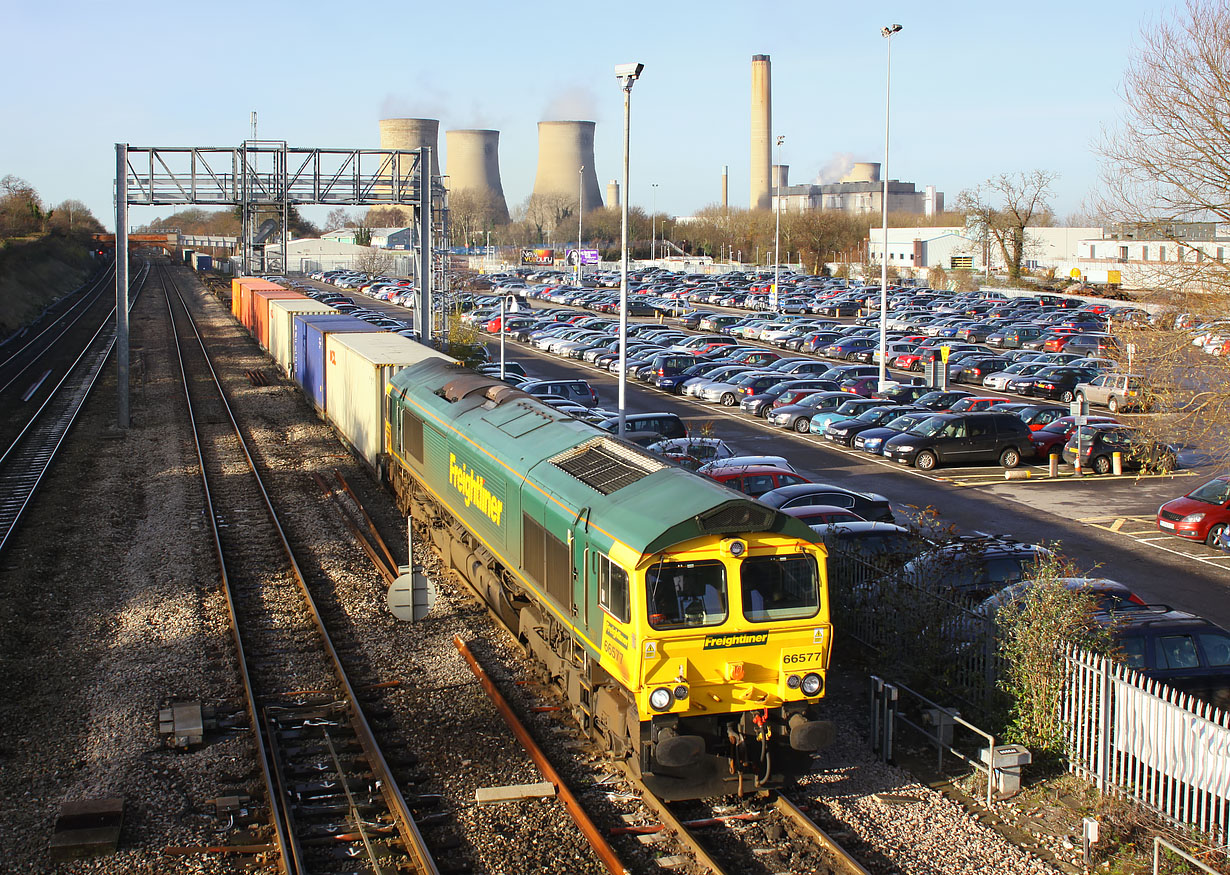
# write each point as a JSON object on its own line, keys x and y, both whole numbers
{"x": 741, "y": 516}
{"x": 605, "y": 465}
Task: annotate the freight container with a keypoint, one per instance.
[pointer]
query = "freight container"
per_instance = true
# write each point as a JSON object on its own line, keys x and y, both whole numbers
{"x": 200, "y": 261}
{"x": 357, "y": 367}
{"x": 259, "y": 317}
{"x": 310, "y": 333}
{"x": 241, "y": 288}
{"x": 187, "y": 255}
{"x": 282, "y": 329}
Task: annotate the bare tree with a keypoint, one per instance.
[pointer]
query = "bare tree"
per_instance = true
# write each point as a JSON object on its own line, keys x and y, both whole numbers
{"x": 1001, "y": 209}
{"x": 375, "y": 262}
{"x": 339, "y": 218}
{"x": 386, "y": 217}
{"x": 1167, "y": 163}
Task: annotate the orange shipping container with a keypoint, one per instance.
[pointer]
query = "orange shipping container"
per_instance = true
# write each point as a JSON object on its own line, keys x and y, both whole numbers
{"x": 260, "y": 311}
{"x": 242, "y": 308}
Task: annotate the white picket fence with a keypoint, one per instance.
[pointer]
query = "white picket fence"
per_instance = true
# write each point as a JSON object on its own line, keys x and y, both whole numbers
{"x": 1162, "y": 748}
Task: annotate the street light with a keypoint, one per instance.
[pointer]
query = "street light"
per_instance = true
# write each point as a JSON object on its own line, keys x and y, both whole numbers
{"x": 627, "y": 74}
{"x": 777, "y": 231}
{"x": 887, "y": 33}
{"x": 653, "y": 224}
{"x": 580, "y": 209}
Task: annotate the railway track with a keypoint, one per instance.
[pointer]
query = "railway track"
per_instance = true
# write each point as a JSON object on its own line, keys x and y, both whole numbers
{"x": 40, "y": 432}
{"x": 333, "y": 804}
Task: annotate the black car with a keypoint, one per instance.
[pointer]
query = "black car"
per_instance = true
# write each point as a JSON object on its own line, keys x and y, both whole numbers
{"x": 962, "y": 438}
{"x": 1097, "y": 443}
{"x": 843, "y": 431}
{"x": 868, "y": 505}
{"x": 976, "y": 567}
{"x": 941, "y": 400}
{"x": 904, "y": 393}
{"x": 1178, "y": 649}
{"x": 1058, "y": 383}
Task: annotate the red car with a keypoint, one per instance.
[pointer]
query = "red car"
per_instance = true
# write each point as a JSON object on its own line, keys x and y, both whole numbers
{"x": 1200, "y": 515}
{"x": 1060, "y": 340}
{"x": 1052, "y": 436}
{"x": 1036, "y": 416}
{"x": 756, "y": 480}
{"x": 975, "y": 402}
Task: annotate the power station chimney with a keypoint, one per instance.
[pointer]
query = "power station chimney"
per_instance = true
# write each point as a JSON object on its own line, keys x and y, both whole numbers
{"x": 762, "y": 132}
{"x": 612, "y": 193}
{"x": 474, "y": 168}
{"x": 565, "y": 147}
{"x": 412, "y": 133}
{"x": 725, "y": 180}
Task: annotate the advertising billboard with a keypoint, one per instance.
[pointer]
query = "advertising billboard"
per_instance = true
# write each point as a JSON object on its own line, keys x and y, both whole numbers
{"x": 587, "y": 256}
{"x": 538, "y": 256}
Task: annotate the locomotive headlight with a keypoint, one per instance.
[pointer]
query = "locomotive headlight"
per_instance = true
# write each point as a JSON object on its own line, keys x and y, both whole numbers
{"x": 681, "y": 692}
{"x": 735, "y": 547}
{"x": 660, "y": 699}
{"x": 793, "y": 682}
{"x": 812, "y": 684}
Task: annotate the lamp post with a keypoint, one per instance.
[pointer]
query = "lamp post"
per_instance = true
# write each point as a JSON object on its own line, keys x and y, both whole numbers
{"x": 653, "y": 224}
{"x": 627, "y": 74}
{"x": 887, "y": 33}
{"x": 580, "y": 209}
{"x": 777, "y": 231}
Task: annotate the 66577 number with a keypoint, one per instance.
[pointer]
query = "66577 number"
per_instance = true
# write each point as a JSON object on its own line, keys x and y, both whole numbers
{"x": 802, "y": 658}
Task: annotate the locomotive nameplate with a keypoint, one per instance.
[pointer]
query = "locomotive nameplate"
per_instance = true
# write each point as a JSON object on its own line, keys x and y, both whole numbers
{"x": 735, "y": 639}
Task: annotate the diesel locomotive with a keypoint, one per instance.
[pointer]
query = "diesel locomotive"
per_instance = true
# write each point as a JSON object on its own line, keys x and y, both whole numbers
{"x": 688, "y": 627}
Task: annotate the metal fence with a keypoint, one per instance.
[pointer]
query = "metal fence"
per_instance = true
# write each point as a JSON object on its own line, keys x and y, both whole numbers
{"x": 933, "y": 642}
{"x": 1165, "y": 749}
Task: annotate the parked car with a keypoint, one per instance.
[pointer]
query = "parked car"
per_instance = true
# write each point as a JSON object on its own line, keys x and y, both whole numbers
{"x": 1201, "y": 515}
{"x": 962, "y": 438}
{"x": 755, "y": 480}
{"x": 578, "y": 391}
{"x": 1052, "y": 436}
{"x": 1115, "y": 391}
{"x": 1178, "y": 649}
{"x": 692, "y": 452}
{"x": 1095, "y": 446}
{"x": 976, "y": 567}
{"x": 746, "y": 462}
{"x": 668, "y": 425}
{"x": 822, "y": 514}
{"x": 868, "y": 505}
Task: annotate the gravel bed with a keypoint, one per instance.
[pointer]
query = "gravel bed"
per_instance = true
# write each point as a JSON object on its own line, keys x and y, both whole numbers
{"x": 109, "y": 608}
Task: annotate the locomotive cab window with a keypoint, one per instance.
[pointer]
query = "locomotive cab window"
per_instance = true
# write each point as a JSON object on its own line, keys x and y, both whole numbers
{"x": 780, "y": 587}
{"x": 612, "y": 588}
{"x": 679, "y": 594}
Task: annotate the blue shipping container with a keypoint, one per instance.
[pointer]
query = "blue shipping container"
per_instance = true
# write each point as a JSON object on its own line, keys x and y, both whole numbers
{"x": 309, "y": 365}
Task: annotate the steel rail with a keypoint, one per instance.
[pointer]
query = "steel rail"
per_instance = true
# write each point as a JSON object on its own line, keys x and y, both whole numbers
{"x": 412, "y": 839}
{"x": 579, "y": 816}
{"x": 792, "y": 811}
{"x": 673, "y": 823}
{"x": 26, "y": 461}
{"x": 86, "y": 298}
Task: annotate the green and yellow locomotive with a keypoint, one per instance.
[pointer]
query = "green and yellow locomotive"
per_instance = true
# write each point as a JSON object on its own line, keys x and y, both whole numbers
{"x": 687, "y": 626}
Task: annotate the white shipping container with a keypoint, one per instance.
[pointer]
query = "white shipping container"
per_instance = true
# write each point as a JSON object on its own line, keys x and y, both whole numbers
{"x": 357, "y": 367}
{"x": 282, "y": 328}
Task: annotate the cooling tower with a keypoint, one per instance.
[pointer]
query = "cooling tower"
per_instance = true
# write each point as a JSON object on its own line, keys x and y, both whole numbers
{"x": 762, "y": 132}
{"x": 474, "y": 170}
{"x": 863, "y": 171}
{"x": 412, "y": 133}
{"x": 563, "y": 149}
{"x": 612, "y": 193}
{"x": 781, "y": 176}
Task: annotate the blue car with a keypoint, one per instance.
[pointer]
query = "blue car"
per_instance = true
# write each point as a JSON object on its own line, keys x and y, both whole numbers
{"x": 872, "y": 440}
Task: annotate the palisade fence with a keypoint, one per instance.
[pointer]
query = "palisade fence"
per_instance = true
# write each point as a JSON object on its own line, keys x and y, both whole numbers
{"x": 1140, "y": 738}
{"x": 1125, "y": 734}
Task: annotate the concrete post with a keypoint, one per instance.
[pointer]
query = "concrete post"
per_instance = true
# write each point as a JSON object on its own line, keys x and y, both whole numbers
{"x": 123, "y": 419}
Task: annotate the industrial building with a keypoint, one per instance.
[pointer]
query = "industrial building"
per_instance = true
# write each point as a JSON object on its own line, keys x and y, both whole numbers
{"x": 859, "y": 191}
{"x": 958, "y": 247}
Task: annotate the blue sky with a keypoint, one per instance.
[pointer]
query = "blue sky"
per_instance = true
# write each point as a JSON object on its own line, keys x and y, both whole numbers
{"x": 977, "y": 88}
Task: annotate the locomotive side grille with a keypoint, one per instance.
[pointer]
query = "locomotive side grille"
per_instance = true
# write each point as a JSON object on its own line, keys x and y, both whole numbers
{"x": 742, "y": 516}
{"x": 412, "y": 435}
{"x": 606, "y": 466}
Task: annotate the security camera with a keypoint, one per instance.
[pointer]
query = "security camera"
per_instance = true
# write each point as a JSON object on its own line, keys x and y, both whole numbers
{"x": 628, "y": 71}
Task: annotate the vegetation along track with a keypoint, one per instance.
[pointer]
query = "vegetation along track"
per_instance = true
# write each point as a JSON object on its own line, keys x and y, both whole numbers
{"x": 333, "y": 804}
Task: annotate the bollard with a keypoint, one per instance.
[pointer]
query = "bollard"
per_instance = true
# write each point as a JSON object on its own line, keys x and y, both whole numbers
{"x": 1076, "y": 467}
{"x": 1116, "y": 463}
{"x": 890, "y": 722}
{"x": 1017, "y": 474}
{"x": 1054, "y": 464}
